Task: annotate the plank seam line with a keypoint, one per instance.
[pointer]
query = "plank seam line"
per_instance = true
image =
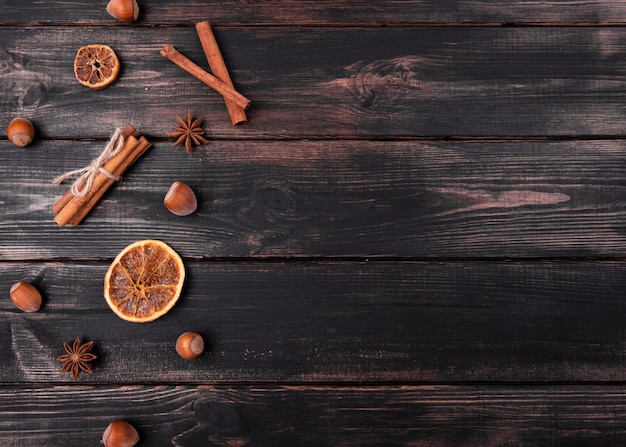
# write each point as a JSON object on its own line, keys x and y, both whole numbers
{"x": 347, "y": 260}
{"x": 327, "y": 385}
{"x": 299, "y": 25}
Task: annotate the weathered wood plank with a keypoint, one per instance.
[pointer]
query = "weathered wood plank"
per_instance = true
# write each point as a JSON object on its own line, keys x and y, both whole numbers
{"x": 331, "y": 198}
{"x": 322, "y": 12}
{"x": 310, "y": 322}
{"x": 260, "y": 416}
{"x": 311, "y": 82}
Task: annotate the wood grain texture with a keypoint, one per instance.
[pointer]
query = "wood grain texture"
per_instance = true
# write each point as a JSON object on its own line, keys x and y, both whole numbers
{"x": 332, "y": 198}
{"x": 325, "y": 83}
{"x": 417, "y": 239}
{"x": 327, "y": 322}
{"x": 472, "y": 416}
{"x": 323, "y": 12}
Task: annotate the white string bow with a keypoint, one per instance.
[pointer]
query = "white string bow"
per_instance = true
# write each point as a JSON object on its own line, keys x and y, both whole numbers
{"x": 82, "y": 185}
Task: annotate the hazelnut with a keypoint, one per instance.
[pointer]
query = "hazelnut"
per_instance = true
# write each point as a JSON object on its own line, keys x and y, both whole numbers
{"x": 190, "y": 345}
{"x": 120, "y": 434}
{"x": 180, "y": 199}
{"x": 25, "y": 296}
{"x": 124, "y": 10}
{"x": 20, "y": 132}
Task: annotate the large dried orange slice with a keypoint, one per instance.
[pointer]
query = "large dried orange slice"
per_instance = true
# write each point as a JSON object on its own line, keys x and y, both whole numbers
{"x": 96, "y": 66}
{"x": 144, "y": 281}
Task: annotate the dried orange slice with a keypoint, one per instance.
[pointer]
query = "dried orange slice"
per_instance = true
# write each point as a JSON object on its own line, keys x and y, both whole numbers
{"x": 144, "y": 281}
{"x": 96, "y": 66}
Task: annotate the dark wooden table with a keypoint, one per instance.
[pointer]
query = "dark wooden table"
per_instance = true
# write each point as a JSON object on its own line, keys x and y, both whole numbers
{"x": 417, "y": 239}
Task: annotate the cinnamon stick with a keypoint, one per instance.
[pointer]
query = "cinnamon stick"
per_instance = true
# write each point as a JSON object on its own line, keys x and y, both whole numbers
{"x": 63, "y": 201}
{"x": 218, "y": 67}
{"x": 190, "y": 67}
{"x": 112, "y": 166}
{"x": 65, "y": 198}
{"x": 142, "y": 146}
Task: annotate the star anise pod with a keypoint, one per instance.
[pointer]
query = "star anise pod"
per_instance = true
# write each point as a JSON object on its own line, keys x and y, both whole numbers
{"x": 189, "y": 132}
{"x": 77, "y": 357}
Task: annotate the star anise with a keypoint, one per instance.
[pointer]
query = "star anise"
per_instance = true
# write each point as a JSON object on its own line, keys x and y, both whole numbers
{"x": 77, "y": 358}
{"x": 189, "y": 132}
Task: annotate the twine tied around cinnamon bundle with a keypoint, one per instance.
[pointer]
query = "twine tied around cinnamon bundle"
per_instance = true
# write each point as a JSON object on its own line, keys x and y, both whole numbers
{"x": 82, "y": 185}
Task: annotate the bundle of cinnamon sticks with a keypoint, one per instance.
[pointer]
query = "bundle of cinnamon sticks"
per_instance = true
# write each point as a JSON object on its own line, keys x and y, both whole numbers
{"x": 220, "y": 80}
{"x": 72, "y": 209}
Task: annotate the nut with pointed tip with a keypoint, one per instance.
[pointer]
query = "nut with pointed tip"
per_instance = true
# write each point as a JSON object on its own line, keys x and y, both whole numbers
{"x": 124, "y": 10}
{"x": 25, "y": 296}
{"x": 180, "y": 199}
{"x": 190, "y": 345}
{"x": 120, "y": 434}
{"x": 20, "y": 132}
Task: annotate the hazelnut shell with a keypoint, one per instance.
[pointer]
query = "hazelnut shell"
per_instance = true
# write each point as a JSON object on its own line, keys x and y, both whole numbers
{"x": 20, "y": 132}
{"x": 120, "y": 434}
{"x": 190, "y": 345}
{"x": 123, "y": 10}
{"x": 25, "y": 296}
{"x": 180, "y": 199}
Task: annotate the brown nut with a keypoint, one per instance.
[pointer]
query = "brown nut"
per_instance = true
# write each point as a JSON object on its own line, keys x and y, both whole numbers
{"x": 124, "y": 10}
{"x": 20, "y": 132}
{"x": 25, "y": 296}
{"x": 120, "y": 434}
{"x": 180, "y": 199}
{"x": 190, "y": 345}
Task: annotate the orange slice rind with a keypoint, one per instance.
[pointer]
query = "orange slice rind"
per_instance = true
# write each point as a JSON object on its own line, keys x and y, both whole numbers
{"x": 144, "y": 281}
{"x": 96, "y": 66}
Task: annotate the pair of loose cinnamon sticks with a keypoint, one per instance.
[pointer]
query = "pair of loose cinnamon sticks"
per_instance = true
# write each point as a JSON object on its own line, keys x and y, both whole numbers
{"x": 220, "y": 81}
{"x": 72, "y": 209}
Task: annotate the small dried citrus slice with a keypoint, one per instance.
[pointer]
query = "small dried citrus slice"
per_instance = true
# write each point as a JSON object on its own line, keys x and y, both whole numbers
{"x": 144, "y": 281}
{"x": 96, "y": 66}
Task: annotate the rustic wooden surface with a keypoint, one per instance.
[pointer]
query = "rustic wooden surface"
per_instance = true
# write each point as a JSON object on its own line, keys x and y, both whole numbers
{"x": 417, "y": 239}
